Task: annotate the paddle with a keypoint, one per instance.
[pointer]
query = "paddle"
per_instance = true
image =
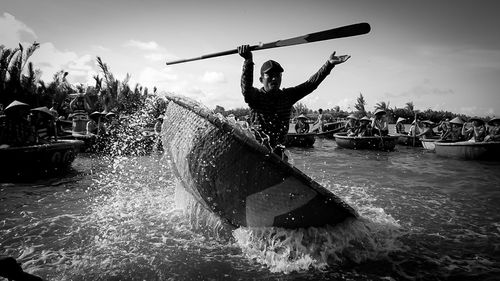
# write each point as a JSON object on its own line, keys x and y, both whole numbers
{"x": 381, "y": 145}
{"x": 334, "y": 33}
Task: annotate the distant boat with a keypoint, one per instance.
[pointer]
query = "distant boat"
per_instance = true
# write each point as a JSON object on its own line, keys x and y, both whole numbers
{"x": 469, "y": 150}
{"x": 300, "y": 140}
{"x": 407, "y": 140}
{"x": 39, "y": 159}
{"x": 429, "y": 144}
{"x": 386, "y": 143}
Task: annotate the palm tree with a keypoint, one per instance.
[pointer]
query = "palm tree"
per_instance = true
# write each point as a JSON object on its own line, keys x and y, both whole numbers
{"x": 13, "y": 83}
{"x": 409, "y": 106}
{"x": 382, "y": 105}
{"x": 360, "y": 105}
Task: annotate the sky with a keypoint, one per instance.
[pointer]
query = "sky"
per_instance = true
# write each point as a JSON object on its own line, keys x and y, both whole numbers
{"x": 440, "y": 55}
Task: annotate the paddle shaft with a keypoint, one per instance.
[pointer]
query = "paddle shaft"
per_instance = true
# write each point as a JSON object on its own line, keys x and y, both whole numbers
{"x": 339, "y": 32}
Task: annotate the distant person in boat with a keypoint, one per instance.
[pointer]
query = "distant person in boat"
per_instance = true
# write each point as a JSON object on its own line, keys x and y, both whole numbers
{"x": 318, "y": 125}
{"x": 79, "y": 104}
{"x": 415, "y": 128}
{"x": 301, "y": 127}
{"x": 271, "y": 106}
{"x": 351, "y": 125}
{"x": 493, "y": 130}
{"x": 443, "y": 126}
{"x": 400, "y": 126}
{"x": 159, "y": 122}
{"x": 15, "y": 128}
{"x": 44, "y": 125}
{"x": 454, "y": 133}
{"x": 364, "y": 129}
{"x": 379, "y": 123}
{"x": 474, "y": 130}
{"x": 110, "y": 120}
{"x": 427, "y": 130}
{"x": 95, "y": 125}
{"x": 53, "y": 110}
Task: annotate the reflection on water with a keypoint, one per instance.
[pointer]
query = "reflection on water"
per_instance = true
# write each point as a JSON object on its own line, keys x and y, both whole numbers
{"x": 423, "y": 217}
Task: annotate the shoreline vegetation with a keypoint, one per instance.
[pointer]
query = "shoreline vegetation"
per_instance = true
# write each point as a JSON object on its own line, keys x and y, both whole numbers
{"x": 20, "y": 80}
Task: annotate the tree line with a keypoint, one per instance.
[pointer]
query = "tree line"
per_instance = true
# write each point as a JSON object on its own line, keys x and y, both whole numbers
{"x": 20, "y": 80}
{"x": 409, "y": 112}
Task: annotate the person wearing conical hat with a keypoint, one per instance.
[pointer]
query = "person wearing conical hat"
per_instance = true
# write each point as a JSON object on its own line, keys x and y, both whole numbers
{"x": 428, "y": 130}
{"x": 474, "y": 130}
{"x": 15, "y": 128}
{"x": 454, "y": 133}
{"x": 95, "y": 125}
{"x": 379, "y": 123}
{"x": 301, "y": 127}
{"x": 364, "y": 129}
{"x": 493, "y": 130}
{"x": 400, "y": 127}
{"x": 443, "y": 126}
{"x": 351, "y": 125}
{"x": 415, "y": 128}
{"x": 43, "y": 121}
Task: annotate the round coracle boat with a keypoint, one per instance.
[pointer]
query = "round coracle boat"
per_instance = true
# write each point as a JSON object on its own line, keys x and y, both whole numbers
{"x": 469, "y": 150}
{"x": 300, "y": 140}
{"x": 407, "y": 140}
{"x": 225, "y": 169}
{"x": 38, "y": 159}
{"x": 385, "y": 143}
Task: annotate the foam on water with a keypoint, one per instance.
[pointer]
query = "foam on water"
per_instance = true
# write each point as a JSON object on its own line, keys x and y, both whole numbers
{"x": 371, "y": 237}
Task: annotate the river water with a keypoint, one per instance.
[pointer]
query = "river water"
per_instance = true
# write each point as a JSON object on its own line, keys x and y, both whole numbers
{"x": 422, "y": 218}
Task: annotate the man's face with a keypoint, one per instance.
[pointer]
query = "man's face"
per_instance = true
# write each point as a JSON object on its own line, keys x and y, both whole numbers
{"x": 271, "y": 81}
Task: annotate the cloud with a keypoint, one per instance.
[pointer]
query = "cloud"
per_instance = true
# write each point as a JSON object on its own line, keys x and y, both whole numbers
{"x": 213, "y": 77}
{"x": 148, "y": 46}
{"x": 156, "y": 52}
{"x": 162, "y": 79}
{"x": 51, "y": 60}
{"x": 99, "y": 48}
{"x": 14, "y": 32}
{"x": 157, "y": 56}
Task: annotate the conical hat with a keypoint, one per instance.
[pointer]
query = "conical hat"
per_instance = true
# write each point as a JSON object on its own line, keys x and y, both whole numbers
{"x": 428, "y": 122}
{"x": 351, "y": 116}
{"x": 493, "y": 120}
{"x": 365, "y": 119}
{"x": 43, "y": 109}
{"x": 302, "y": 116}
{"x": 379, "y": 111}
{"x": 15, "y": 105}
{"x": 476, "y": 119}
{"x": 457, "y": 120}
{"x": 95, "y": 114}
{"x": 400, "y": 119}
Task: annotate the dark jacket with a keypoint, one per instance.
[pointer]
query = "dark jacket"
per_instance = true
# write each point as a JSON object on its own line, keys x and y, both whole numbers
{"x": 270, "y": 111}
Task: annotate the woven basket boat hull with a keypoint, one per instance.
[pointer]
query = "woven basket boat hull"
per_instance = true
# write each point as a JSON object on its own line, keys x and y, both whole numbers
{"x": 469, "y": 150}
{"x": 39, "y": 159}
{"x": 232, "y": 175}
{"x": 385, "y": 143}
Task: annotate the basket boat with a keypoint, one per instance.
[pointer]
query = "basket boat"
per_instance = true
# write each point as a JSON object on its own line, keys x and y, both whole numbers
{"x": 229, "y": 173}
{"x": 38, "y": 159}
{"x": 386, "y": 143}
{"x": 469, "y": 150}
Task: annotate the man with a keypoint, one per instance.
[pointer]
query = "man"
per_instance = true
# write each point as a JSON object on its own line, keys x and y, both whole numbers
{"x": 379, "y": 123}
{"x": 271, "y": 106}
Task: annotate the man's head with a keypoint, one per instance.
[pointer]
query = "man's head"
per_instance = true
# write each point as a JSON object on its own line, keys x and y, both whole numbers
{"x": 270, "y": 75}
